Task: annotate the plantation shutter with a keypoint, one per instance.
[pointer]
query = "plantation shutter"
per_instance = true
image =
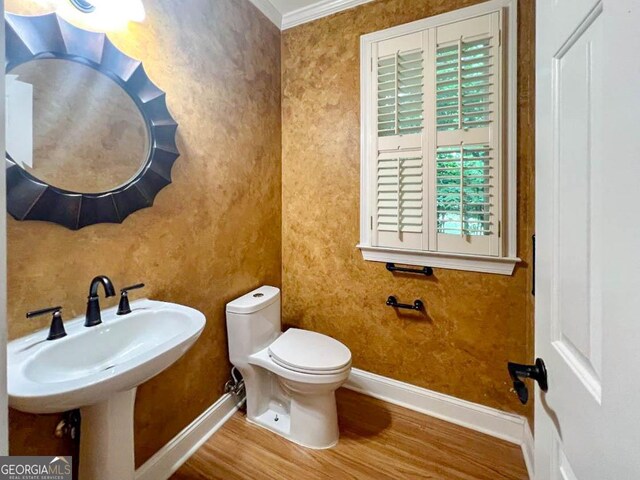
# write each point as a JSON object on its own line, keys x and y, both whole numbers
{"x": 399, "y": 209}
{"x": 465, "y": 167}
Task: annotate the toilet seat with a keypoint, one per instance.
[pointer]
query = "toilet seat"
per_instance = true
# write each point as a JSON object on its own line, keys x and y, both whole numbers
{"x": 310, "y": 353}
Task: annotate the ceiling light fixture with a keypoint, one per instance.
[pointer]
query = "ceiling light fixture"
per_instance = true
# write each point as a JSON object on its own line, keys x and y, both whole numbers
{"x": 102, "y": 15}
{"x": 83, "y": 6}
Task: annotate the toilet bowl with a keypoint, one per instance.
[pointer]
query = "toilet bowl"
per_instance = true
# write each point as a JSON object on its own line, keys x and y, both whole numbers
{"x": 290, "y": 378}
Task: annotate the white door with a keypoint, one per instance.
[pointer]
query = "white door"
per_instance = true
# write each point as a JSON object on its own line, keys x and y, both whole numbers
{"x": 587, "y": 426}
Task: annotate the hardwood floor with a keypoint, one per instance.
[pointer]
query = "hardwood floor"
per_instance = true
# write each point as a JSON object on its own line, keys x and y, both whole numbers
{"x": 378, "y": 441}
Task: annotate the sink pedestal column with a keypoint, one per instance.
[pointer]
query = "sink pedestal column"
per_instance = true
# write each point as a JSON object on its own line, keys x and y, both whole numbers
{"x": 106, "y": 439}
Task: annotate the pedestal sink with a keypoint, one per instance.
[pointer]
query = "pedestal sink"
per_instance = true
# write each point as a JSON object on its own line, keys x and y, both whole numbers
{"x": 97, "y": 369}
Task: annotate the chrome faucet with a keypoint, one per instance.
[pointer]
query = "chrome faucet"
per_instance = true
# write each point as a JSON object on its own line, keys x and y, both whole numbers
{"x": 93, "y": 305}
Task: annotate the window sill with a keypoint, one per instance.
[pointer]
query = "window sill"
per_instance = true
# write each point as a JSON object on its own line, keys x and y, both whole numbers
{"x": 472, "y": 263}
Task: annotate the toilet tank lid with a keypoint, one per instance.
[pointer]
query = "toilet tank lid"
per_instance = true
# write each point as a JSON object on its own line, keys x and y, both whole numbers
{"x": 255, "y": 300}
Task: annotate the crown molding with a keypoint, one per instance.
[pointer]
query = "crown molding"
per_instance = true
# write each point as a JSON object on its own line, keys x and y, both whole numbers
{"x": 269, "y": 11}
{"x": 322, "y": 8}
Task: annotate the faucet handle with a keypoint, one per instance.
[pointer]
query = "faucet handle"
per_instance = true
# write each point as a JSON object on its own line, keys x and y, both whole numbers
{"x": 131, "y": 287}
{"x": 43, "y": 311}
{"x": 123, "y": 306}
{"x": 56, "y": 330}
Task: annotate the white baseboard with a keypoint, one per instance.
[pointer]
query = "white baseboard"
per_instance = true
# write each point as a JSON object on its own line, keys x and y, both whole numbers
{"x": 170, "y": 457}
{"x": 528, "y": 446}
{"x": 506, "y": 426}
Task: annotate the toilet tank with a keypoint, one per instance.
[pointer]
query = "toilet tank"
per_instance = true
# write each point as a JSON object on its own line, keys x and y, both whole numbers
{"x": 253, "y": 322}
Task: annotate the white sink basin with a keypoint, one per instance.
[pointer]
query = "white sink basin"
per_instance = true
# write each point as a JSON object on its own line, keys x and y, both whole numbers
{"x": 90, "y": 363}
{"x": 97, "y": 369}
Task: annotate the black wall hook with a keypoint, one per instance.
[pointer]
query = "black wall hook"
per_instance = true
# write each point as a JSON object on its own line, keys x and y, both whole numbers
{"x": 393, "y": 302}
{"x": 427, "y": 271}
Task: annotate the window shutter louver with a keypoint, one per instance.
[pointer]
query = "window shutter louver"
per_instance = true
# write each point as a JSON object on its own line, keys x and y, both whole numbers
{"x": 400, "y": 79}
{"x": 463, "y": 190}
{"x": 466, "y": 174}
{"x": 399, "y": 73}
{"x": 399, "y": 193}
{"x": 463, "y": 83}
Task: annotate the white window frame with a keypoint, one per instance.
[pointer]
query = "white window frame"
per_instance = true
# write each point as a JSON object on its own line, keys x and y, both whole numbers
{"x": 505, "y": 263}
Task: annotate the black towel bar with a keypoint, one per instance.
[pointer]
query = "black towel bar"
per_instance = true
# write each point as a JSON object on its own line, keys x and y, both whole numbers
{"x": 427, "y": 271}
{"x": 393, "y": 302}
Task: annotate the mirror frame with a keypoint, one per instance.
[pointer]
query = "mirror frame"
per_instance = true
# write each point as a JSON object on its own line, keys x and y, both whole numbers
{"x": 49, "y": 36}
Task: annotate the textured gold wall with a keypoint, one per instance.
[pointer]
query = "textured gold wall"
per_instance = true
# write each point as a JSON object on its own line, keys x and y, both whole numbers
{"x": 212, "y": 235}
{"x": 475, "y": 322}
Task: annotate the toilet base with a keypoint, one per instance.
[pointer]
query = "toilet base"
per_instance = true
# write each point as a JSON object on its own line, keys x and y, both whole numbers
{"x": 311, "y": 422}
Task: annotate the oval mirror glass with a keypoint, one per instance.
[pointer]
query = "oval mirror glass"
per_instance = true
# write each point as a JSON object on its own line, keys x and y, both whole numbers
{"x": 89, "y": 136}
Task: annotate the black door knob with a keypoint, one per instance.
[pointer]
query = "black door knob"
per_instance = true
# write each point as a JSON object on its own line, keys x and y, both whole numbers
{"x": 537, "y": 372}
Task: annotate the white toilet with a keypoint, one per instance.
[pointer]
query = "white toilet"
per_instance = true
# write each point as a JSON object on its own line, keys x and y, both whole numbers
{"x": 291, "y": 377}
